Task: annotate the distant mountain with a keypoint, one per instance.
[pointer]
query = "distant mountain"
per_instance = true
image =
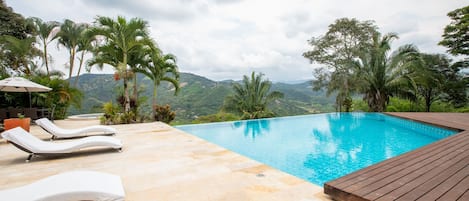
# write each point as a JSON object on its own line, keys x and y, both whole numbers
{"x": 198, "y": 96}
{"x": 293, "y": 81}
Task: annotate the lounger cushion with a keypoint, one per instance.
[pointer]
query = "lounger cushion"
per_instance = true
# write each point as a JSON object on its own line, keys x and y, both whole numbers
{"x": 68, "y": 186}
{"x": 50, "y": 127}
{"x": 21, "y": 137}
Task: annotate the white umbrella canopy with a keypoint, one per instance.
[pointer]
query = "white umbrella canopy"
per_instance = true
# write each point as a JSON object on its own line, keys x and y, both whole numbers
{"x": 19, "y": 84}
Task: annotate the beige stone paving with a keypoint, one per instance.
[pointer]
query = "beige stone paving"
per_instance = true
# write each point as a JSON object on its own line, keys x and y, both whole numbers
{"x": 159, "y": 162}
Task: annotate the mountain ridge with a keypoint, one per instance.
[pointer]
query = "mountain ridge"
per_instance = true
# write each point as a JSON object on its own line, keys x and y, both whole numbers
{"x": 198, "y": 96}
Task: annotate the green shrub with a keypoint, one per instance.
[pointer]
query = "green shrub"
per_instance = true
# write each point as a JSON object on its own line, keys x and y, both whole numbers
{"x": 464, "y": 109}
{"x": 403, "y": 105}
{"x": 359, "y": 105}
{"x": 392, "y": 108}
{"x": 164, "y": 113}
{"x": 218, "y": 117}
{"x": 126, "y": 117}
{"x": 111, "y": 113}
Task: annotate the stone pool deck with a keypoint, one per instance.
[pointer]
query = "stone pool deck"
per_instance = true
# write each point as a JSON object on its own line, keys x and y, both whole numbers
{"x": 160, "y": 162}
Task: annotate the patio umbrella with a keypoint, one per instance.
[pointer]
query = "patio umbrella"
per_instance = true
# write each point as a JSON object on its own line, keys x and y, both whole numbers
{"x": 19, "y": 84}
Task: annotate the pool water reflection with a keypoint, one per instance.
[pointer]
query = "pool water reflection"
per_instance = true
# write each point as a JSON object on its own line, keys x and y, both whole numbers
{"x": 321, "y": 147}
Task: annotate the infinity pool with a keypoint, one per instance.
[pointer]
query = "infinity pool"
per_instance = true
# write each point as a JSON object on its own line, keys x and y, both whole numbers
{"x": 320, "y": 147}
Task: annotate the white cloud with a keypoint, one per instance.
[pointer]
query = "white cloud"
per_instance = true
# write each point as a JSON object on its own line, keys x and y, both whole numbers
{"x": 226, "y": 39}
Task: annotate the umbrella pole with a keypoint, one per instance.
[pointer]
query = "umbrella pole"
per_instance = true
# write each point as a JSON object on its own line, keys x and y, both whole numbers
{"x": 30, "y": 106}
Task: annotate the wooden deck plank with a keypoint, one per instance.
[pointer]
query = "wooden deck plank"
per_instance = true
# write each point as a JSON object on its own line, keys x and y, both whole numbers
{"x": 449, "y": 142}
{"x": 371, "y": 171}
{"x": 452, "y": 188}
{"x": 439, "y": 170}
{"x": 404, "y": 172}
{"x": 410, "y": 190}
{"x": 464, "y": 197}
{"x": 408, "y": 173}
{"x": 419, "y": 171}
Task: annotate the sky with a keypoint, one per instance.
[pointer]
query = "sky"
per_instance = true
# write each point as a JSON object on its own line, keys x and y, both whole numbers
{"x": 226, "y": 39}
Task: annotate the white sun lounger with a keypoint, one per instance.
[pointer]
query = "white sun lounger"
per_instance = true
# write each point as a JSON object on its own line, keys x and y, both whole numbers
{"x": 58, "y": 132}
{"x": 30, "y": 144}
{"x": 68, "y": 186}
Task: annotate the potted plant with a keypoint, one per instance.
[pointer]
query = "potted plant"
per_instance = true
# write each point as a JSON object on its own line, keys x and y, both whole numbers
{"x": 116, "y": 76}
{"x": 21, "y": 121}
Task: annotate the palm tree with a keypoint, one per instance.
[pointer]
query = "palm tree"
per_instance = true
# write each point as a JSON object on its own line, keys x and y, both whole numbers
{"x": 85, "y": 45}
{"x": 69, "y": 37}
{"x": 383, "y": 76}
{"x": 19, "y": 52}
{"x": 46, "y": 32}
{"x": 161, "y": 67}
{"x": 252, "y": 97}
{"x": 139, "y": 58}
{"x": 122, "y": 37}
{"x": 61, "y": 97}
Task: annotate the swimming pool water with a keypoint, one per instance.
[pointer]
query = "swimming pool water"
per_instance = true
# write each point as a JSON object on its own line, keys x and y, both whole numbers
{"x": 320, "y": 147}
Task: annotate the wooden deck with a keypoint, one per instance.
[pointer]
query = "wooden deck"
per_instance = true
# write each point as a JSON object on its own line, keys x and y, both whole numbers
{"x": 439, "y": 171}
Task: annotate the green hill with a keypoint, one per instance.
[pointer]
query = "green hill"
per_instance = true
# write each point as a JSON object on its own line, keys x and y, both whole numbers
{"x": 198, "y": 96}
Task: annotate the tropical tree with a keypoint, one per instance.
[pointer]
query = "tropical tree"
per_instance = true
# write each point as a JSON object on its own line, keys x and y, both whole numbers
{"x": 456, "y": 39}
{"x": 384, "y": 76}
{"x": 37, "y": 71}
{"x": 139, "y": 58}
{"x": 456, "y": 34}
{"x": 85, "y": 45}
{"x": 12, "y": 23}
{"x": 46, "y": 32}
{"x": 61, "y": 97}
{"x": 336, "y": 50}
{"x": 161, "y": 67}
{"x": 121, "y": 38}
{"x": 69, "y": 37}
{"x": 455, "y": 84}
{"x": 341, "y": 81}
{"x": 251, "y": 98}
{"x": 19, "y": 52}
{"x": 430, "y": 80}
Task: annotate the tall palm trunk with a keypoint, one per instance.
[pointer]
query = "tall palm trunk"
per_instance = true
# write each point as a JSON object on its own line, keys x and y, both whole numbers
{"x": 135, "y": 90}
{"x": 377, "y": 101}
{"x": 126, "y": 94}
{"x": 126, "y": 87}
{"x": 72, "y": 62}
{"x": 153, "y": 112}
{"x": 79, "y": 67}
{"x": 46, "y": 60}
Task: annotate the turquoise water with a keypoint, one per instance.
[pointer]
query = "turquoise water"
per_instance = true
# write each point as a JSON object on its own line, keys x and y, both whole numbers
{"x": 320, "y": 147}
